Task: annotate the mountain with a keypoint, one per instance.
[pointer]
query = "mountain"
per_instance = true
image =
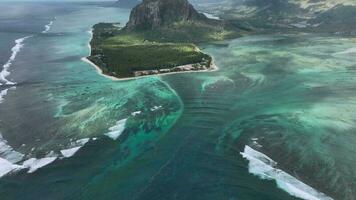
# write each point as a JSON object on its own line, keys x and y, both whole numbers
{"x": 157, "y": 13}
{"x": 320, "y": 15}
{"x": 159, "y": 37}
{"x": 177, "y": 21}
{"x": 340, "y": 18}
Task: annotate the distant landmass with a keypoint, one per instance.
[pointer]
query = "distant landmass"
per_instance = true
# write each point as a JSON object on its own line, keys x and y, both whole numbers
{"x": 312, "y": 15}
{"x": 158, "y": 38}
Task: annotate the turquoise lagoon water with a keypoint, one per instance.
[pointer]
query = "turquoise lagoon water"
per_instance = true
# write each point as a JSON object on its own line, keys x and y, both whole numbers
{"x": 276, "y": 121}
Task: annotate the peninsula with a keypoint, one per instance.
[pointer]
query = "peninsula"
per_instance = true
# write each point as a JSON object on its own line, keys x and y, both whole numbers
{"x": 159, "y": 37}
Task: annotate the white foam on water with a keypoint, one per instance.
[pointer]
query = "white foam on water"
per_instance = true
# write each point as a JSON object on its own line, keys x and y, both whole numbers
{"x": 7, "y": 167}
{"x": 70, "y": 152}
{"x": 210, "y": 83}
{"x": 5, "y": 68}
{"x": 265, "y": 168}
{"x": 8, "y": 156}
{"x": 8, "y": 153}
{"x": 155, "y": 108}
{"x": 347, "y": 51}
{"x": 3, "y": 93}
{"x": 116, "y": 130}
{"x": 75, "y": 148}
{"x": 317, "y": 25}
{"x": 303, "y": 24}
{"x": 136, "y": 113}
{"x": 83, "y": 141}
{"x": 34, "y": 164}
{"x": 91, "y": 33}
{"x": 48, "y": 27}
{"x": 211, "y": 16}
{"x": 51, "y": 154}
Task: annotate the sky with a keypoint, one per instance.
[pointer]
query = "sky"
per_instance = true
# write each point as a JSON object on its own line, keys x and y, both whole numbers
{"x": 49, "y": 0}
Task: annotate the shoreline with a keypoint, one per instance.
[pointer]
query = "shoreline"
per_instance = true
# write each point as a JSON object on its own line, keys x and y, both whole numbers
{"x": 212, "y": 68}
{"x": 97, "y": 68}
{"x": 113, "y": 78}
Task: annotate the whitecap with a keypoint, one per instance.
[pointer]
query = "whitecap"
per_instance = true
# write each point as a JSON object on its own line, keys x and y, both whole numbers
{"x": 265, "y": 168}
{"x": 136, "y": 113}
{"x": 9, "y": 157}
{"x": 155, "y": 108}
{"x": 5, "y": 68}
{"x": 31, "y": 164}
{"x": 70, "y": 152}
{"x": 83, "y": 141}
{"x": 7, "y": 167}
{"x": 75, "y": 147}
{"x": 211, "y": 16}
{"x": 48, "y": 27}
{"x": 34, "y": 164}
{"x": 8, "y": 153}
{"x": 317, "y": 25}
{"x": 347, "y": 51}
{"x": 116, "y": 130}
{"x": 303, "y": 24}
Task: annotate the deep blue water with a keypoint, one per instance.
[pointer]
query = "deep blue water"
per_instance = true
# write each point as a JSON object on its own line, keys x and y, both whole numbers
{"x": 69, "y": 133}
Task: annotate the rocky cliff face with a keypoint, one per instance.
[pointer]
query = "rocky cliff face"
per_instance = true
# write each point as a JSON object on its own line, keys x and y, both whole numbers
{"x": 157, "y": 13}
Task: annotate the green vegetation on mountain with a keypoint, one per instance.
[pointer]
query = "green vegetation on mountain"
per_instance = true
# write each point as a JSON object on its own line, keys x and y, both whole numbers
{"x": 159, "y": 37}
{"x": 123, "y": 54}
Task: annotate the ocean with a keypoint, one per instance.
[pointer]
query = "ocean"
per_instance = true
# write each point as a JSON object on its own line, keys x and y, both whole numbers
{"x": 276, "y": 121}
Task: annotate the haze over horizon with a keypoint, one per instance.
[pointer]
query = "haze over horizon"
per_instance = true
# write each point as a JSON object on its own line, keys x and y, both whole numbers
{"x": 53, "y": 0}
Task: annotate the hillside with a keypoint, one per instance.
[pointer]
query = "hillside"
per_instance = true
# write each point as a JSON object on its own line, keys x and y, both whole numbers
{"x": 310, "y": 15}
{"x": 177, "y": 21}
{"x": 160, "y": 37}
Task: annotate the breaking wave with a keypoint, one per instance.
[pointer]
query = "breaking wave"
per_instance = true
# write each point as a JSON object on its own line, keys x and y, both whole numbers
{"x": 265, "y": 168}
{"x": 48, "y": 27}
{"x": 11, "y": 161}
{"x": 116, "y": 130}
{"x": 347, "y": 51}
{"x": 74, "y": 148}
{"x": 19, "y": 43}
